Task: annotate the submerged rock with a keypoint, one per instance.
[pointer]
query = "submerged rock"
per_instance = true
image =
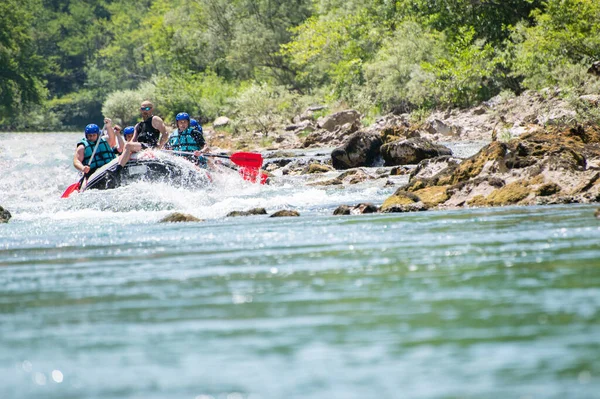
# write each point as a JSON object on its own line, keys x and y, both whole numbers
{"x": 359, "y": 209}
{"x": 285, "y": 213}
{"x": 4, "y": 215}
{"x": 253, "y": 211}
{"x": 177, "y": 217}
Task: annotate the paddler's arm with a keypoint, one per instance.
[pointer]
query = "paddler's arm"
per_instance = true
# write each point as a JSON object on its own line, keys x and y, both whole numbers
{"x": 120, "y": 142}
{"x": 112, "y": 140}
{"x": 78, "y": 160}
{"x": 159, "y": 125}
{"x": 136, "y": 133}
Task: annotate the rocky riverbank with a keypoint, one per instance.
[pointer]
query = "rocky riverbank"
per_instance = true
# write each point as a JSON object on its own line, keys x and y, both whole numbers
{"x": 532, "y": 151}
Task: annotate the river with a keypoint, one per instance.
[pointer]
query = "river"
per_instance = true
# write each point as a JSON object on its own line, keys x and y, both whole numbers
{"x": 98, "y": 300}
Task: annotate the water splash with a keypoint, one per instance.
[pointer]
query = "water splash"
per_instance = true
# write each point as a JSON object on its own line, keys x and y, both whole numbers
{"x": 37, "y": 168}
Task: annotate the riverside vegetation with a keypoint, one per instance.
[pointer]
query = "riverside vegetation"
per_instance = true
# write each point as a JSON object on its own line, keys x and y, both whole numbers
{"x": 382, "y": 81}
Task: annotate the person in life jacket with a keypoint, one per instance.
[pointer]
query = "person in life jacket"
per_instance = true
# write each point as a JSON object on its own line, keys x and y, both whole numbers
{"x": 151, "y": 132}
{"x": 126, "y": 137}
{"x": 83, "y": 160}
{"x": 196, "y": 124}
{"x": 187, "y": 139}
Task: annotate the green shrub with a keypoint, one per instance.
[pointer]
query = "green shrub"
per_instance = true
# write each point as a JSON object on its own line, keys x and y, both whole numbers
{"x": 263, "y": 107}
{"x": 565, "y": 34}
{"x": 203, "y": 96}
{"x": 396, "y": 76}
{"x": 123, "y": 106}
{"x": 464, "y": 76}
{"x": 77, "y": 109}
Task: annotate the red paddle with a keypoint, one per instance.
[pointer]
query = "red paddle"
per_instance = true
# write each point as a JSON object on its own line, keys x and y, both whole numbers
{"x": 249, "y": 162}
{"x": 73, "y": 188}
{"x": 245, "y": 159}
{"x": 70, "y": 190}
{"x": 252, "y": 175}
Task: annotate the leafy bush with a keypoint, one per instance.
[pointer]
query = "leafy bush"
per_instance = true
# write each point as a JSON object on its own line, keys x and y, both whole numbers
{"x": 204, "y": 96}
{"x": 76, "y": 110}
{"x": 395, "y": 76}
{"x": 565, "y": 34}
{"x": 464, "y": 76}
{"x": 263, "y": 107}
{"x": 123, "y": 106}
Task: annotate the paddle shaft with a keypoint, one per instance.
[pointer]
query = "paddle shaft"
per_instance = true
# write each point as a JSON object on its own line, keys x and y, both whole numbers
{"x": 204, "y": 155}
{"x": 96, "y": 147}
{"x": 246, "y": 159}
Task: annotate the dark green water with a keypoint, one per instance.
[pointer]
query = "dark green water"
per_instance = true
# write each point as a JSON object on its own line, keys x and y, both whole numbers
{"x": 494, "y": 303}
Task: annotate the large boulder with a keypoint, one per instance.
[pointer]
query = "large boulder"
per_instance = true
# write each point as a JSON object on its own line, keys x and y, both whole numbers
{"x": 333, "y": 121}
{"x": 324, "y": 137}
{"x": 411, "y": 151}
{"x": 221, "y": 121}
{"x": 361, "y": 149}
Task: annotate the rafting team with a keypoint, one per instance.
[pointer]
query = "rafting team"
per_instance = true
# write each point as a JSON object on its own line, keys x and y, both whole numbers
{"x": 187, "y": 141}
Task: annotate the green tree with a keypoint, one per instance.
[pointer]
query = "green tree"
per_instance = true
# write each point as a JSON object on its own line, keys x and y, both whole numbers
{"x": 397, "y": 76}
{"x": 565, "y": 34}
{"x": 21, "y": 68}
{"x": 490, "y": 19}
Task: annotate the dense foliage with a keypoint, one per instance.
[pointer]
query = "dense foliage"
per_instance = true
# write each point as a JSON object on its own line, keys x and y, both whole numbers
{"x": 65, "y": 63}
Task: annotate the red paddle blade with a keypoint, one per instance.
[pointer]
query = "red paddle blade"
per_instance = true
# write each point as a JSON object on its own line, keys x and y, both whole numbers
{"x": 253, "y": 175}
{"x": 247, "y": 159}
{"x": 70, "y": 190}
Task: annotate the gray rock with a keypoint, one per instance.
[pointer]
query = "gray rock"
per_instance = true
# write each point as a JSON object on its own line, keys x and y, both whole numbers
{"x": 359, "y": 209}
{"x": 4, "y": 215}
{"x": 253, "y": 211}
{"x": 177, "y": 217}
{"x": 221, "y": 121}
{"x": 331, "y": 122}
{"x": 361, "y": 149}
{"x": 411, "y": 151}
{"x": 285, "y": 213}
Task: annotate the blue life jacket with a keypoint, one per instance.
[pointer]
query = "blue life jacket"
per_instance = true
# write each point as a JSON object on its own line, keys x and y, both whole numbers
{"x": 104, "y": 154}
{"x": 189, "y": 140}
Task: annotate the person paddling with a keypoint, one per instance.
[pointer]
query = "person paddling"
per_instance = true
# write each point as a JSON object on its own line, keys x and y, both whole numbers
{"x": 94, "y": 151}
{"x": 187, "y": 139}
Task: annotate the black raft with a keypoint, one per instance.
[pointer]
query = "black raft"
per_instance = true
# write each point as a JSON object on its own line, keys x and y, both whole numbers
{"x": 148, "y": 166}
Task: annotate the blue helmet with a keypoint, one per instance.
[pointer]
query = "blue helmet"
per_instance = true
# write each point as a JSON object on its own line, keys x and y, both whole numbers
{"x": 182, "y": 115}
{"x": 92, "y": 128}
{"x": 193, "y": 123}
{"x": 128, "y": 130}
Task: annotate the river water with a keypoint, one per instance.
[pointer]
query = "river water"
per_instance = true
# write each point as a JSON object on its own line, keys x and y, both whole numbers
{"x": 98, "y": 300}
